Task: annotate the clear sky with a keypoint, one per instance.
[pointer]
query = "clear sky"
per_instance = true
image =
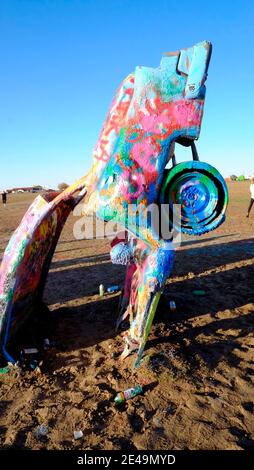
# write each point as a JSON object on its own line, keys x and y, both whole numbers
{"x": 62, "y": 60}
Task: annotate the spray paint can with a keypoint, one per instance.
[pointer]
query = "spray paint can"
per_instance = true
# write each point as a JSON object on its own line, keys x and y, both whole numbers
{"x": 30, "y": 351}
{"x": 127, "y": 394}
{"x": 112, "y": 289}
{"x": 101, "y": 290}
{"x": 172, "y": 306}
{"x": 46, "y": 344}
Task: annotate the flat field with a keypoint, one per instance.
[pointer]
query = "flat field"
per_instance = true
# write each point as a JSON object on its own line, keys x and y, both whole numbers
{"x": 198, "y": 367}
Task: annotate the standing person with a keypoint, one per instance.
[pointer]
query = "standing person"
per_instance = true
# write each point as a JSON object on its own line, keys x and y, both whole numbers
{"x": 252, "y": 196}
{"x": 4, "y": 197}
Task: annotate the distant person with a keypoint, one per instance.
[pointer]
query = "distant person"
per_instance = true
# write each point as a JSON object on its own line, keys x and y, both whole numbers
{"x": 252, "y": 196}
{"x": 4, "y": 198}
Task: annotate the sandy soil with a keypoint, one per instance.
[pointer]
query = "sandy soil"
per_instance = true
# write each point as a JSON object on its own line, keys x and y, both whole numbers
{"x": 198, "y": 369}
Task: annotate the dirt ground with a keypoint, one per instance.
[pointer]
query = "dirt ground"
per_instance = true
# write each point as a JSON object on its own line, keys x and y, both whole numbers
{"x": 198, "y": 367}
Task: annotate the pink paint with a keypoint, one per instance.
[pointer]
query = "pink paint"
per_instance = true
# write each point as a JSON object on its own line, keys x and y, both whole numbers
{"x": 155, "y": 123}
{"x": 145, "y": 153}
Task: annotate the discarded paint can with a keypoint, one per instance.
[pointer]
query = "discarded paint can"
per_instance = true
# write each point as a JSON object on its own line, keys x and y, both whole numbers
{"x": 199, "y": 292}
{"x": 41, "y": 431}
{"x": 78, "y": 434}
{"x": 46, "y": 343}
{"x": 127, "y": 394}
{"x": 101, "y": 290}
{"x": 112, "y": 289}
{"x": 30, "y": 351}
{"x": 172, "y": 306}
{"x": 33, "y": 364}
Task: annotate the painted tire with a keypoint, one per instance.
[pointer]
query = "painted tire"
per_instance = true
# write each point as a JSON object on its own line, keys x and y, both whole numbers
{"x": 202, "y": 193}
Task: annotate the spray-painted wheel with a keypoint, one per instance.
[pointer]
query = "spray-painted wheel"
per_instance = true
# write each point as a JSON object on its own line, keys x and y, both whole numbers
{"x": 201, "y": 192}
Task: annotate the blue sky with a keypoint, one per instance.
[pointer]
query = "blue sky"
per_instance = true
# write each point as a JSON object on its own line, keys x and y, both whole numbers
{"x": 62, "y": 60}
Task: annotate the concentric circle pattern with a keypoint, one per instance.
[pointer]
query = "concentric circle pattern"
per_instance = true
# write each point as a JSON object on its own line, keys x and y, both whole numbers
{"x": 197, "y": 197}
